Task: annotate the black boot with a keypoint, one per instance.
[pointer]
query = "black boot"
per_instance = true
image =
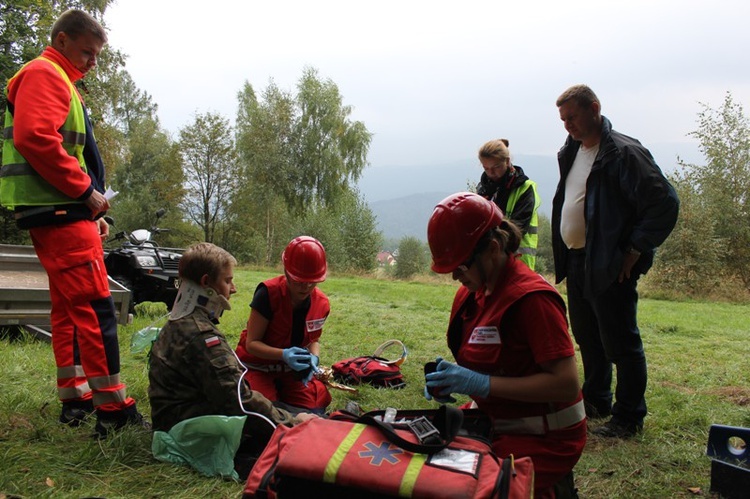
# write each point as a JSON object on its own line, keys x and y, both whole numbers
{"x": 109, "y": 421}
{"x": 74, "y": 412}
{"x": 566, "y": 488}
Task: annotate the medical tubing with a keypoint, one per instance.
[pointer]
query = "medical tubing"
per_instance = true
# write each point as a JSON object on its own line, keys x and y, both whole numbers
{"x": 239, "y": 394}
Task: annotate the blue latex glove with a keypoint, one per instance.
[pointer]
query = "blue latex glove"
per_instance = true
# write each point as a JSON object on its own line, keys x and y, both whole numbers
{"x": 439, "y": 397}
{"x": 314, "y": 363}
{"x": 297, "y": 358}
{"x": 452, "y": 378}
{"x": 439, "y": 400}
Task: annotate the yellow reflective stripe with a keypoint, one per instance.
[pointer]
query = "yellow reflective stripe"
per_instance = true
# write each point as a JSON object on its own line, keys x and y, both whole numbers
{"x": 409, "y": 480}
{"x": 332, "y": 468}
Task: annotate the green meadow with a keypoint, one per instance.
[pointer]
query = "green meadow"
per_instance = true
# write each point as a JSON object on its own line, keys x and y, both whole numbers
{"x": 698, "y": 356}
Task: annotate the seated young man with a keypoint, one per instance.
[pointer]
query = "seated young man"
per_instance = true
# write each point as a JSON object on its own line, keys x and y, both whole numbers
{"x": 193, "y": 372}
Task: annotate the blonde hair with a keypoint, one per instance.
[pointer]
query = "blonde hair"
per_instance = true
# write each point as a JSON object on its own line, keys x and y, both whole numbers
{"x": 204, "y": 259}
{"x": 497, "y": 148}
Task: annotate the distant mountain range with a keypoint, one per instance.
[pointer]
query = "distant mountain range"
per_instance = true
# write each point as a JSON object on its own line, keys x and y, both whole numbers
{"x": 403, "y": 197}
{"x": 406, "y": 216}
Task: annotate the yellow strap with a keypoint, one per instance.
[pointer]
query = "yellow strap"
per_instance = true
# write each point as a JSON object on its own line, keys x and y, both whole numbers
{"x": 62, "y": 73}
{"x": 332, "y": 468}
{"x": 410, "y": 476}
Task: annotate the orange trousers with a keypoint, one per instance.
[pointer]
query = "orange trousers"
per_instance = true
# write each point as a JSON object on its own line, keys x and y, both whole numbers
{"x": 84, "y": 324}
{"x": 283, "y": 387}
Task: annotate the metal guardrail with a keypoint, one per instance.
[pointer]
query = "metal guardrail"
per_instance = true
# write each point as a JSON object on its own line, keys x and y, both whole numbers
{"x": 24, "y": 292}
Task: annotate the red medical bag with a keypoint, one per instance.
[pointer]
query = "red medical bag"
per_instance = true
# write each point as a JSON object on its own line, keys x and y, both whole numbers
{"x": 363, "y": 458}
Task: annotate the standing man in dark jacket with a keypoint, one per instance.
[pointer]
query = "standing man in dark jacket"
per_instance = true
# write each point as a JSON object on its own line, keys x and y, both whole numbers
{"x": 613, "y": 207}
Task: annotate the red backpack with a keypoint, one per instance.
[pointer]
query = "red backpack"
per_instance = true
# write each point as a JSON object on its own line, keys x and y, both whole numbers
{"x": 373, "y": 369}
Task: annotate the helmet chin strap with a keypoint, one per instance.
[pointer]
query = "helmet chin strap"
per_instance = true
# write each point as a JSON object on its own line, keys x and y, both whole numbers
{"x": 191, "y": 295}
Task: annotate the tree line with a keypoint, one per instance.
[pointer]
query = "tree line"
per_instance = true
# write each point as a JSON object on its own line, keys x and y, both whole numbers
{"x": 290, "y": 163}
{"x": 708, "y": 253}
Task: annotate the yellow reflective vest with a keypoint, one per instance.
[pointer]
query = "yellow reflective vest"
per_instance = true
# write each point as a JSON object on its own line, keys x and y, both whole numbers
{"x": 527, "y": 249}
{"x": 20, "y": 184}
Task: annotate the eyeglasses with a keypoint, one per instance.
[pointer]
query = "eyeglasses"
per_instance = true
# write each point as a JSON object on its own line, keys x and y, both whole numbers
{"x": 482, "y": 244}
{"x": 301, "y": 284}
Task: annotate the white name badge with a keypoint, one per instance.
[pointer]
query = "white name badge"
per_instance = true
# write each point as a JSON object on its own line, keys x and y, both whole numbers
{"x": 486, "y": 335}
{"x": 315, "y": 324}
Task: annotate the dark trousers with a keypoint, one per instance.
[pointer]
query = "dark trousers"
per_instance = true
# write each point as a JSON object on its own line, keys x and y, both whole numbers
{"x": 607, "y": 333}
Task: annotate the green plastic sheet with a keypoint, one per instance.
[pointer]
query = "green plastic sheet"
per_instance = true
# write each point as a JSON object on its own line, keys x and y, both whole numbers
{"x": 206, "y": 443}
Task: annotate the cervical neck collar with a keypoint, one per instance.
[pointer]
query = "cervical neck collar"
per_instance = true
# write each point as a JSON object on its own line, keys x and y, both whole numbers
{"x": 193, "y": 295}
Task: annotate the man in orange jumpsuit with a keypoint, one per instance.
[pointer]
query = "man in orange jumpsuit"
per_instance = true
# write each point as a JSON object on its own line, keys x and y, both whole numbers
{"x": 52, "y": 177}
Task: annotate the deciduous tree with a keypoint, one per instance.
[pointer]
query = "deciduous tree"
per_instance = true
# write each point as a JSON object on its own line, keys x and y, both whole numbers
{"x": 544, "y": 257}
{"x": 211, "y": 172}
{"x": 300, "y": 156}
{"x": 711, "y": 242}
{"x": 689, "y": 261}
{"x": 348, "y": 230}
{"x": 412, "y": 257}
{"x": 151, "y": 178}
{"x": 263, "y": 139}
{"x": 330, "y": 150}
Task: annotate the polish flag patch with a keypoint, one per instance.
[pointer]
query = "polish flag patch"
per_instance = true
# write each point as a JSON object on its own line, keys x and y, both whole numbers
{"x": 212, "y": 341}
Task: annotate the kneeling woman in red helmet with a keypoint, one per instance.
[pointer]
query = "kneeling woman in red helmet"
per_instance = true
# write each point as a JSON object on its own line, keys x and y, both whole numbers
{"x": 280, "y": 346}
{"x": 509, "y": 335}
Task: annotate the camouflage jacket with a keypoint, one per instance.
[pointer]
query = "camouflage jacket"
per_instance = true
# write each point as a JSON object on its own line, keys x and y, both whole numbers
{"x": 193, "y": 372}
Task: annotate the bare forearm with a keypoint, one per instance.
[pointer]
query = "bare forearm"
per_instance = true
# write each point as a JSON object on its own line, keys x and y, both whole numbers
{"x": 262, "y": 350}
{"x": 541, "y": 387}
{"x": 558, "y": 382}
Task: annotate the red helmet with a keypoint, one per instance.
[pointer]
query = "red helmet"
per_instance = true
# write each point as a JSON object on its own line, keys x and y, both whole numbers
{"x": 455, "y": 227}
{"x": 305, "y": 260}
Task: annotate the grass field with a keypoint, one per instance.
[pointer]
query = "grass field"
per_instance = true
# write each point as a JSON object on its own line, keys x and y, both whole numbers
{"x": 698, "y": 375}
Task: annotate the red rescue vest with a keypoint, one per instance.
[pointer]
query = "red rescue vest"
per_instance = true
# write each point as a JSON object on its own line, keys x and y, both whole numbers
{"x": 279, "y": 331}
{"x": 477, "y": 341}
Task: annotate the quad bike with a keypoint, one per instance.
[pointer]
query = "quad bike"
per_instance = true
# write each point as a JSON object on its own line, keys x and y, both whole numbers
{"x": 141, "y": 265}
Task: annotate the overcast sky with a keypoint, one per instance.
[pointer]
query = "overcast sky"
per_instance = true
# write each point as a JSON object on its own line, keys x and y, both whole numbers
{"x": 434, "y": 80}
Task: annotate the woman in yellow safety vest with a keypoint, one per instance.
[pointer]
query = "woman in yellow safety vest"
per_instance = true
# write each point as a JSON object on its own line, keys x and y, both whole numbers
{"x": 514, "y": 193}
